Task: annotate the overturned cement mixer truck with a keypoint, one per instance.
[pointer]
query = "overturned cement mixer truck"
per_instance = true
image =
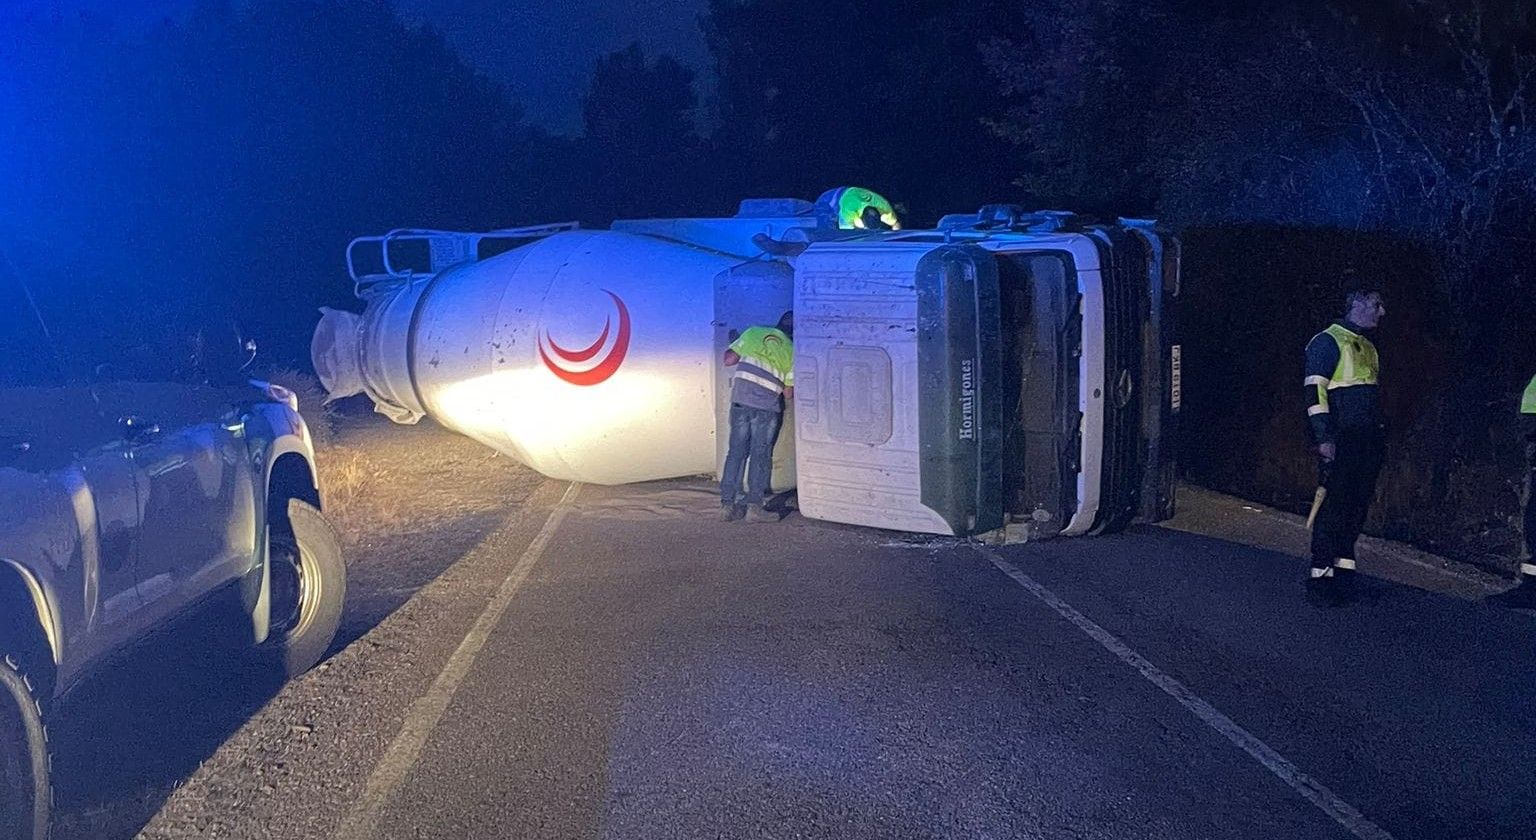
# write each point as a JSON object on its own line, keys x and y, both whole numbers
{"x": 1004, "y": 370}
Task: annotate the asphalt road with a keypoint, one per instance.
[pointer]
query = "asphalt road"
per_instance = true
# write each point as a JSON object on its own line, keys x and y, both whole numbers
{"x": 622, "y": 665}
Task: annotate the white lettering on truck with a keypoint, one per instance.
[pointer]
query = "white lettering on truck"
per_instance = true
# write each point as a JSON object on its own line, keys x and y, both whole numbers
{"x": 968, "y": 399}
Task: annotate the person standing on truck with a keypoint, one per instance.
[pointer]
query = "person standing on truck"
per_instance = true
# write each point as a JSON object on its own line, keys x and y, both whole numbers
{"x": 1348, "y": 433}
{"x": 764, "y": 358}
{"x": 1523, "y": 596}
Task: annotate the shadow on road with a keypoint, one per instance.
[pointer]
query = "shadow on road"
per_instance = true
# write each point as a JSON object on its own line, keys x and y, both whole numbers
{"x": 126, "y": 738}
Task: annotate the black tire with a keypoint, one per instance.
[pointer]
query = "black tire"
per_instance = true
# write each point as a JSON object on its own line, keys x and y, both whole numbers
{"x": 308, "y": 580}
{"x": 26, "y": 787}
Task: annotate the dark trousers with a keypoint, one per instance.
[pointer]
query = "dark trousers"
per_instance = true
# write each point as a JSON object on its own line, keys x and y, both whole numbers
{"x": 754, "y": 431}
{"x": 1351, "y": 482}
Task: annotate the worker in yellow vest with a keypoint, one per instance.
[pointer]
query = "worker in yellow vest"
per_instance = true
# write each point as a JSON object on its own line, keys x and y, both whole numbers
{"x": 762, "y": 382}
{"x": 1524, "y": 594}
{"x": 1347, "y": 431}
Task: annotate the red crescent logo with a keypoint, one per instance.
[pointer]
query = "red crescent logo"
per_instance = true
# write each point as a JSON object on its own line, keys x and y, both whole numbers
{"x": 604, "y": 368}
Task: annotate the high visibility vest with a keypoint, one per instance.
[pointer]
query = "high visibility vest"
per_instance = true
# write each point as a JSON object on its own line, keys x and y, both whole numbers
{"x": 1528, "y": 402}
{"x": 767, "y": 359}
{"x": 1358, "y": 362}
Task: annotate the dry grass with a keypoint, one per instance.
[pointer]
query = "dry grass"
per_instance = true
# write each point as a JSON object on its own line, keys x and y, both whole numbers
{"x": 346, "y": 477}
{"x": 361, "y": 490}
{"x": 381, "y": 479}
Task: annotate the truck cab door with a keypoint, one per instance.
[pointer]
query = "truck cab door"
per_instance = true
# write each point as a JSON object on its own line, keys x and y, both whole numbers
{"x": 107, "y": 473}
{"x": 198, "y": 530}
{"x": 1042, "y": 421}
{"x": 69, "y": 516}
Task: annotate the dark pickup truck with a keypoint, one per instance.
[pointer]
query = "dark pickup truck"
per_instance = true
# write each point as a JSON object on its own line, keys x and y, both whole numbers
{"x": 123, "y": 507}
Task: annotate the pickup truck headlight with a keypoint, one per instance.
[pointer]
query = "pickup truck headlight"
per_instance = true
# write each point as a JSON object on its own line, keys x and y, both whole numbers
{"x": 277, "y": 393}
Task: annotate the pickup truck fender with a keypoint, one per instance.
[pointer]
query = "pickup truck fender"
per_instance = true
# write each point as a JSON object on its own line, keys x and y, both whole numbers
{"x": 44, "y": 613}
{"x": 283, "y": 455}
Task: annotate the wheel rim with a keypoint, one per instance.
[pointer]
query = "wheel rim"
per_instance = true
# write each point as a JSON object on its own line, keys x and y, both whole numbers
{"x": 295, "y": 589}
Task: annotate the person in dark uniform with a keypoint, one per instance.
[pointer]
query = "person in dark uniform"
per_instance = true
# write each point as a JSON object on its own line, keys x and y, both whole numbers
{"x": 1347, "y": 431}
{"x": 1523, "y": 596}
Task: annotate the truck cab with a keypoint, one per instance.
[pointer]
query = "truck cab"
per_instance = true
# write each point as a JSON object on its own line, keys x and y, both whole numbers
{"x": 1004, "y": 371}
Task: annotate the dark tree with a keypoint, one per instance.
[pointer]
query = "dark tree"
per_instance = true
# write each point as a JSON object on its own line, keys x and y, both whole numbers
{"x": 1297, "y": 146}
{"x": 640, "y": 139}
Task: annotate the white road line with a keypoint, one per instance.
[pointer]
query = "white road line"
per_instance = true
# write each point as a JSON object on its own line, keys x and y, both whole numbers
{"x": 362, "y": 821}
{"x": 1311, "y": 789}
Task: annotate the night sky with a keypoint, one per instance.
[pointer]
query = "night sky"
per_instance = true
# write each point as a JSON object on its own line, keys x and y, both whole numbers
{"x": 541, "y": 49}
{"x": 544, "y": 49}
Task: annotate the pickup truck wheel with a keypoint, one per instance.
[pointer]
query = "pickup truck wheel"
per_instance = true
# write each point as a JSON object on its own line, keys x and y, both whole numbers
{"x": 26, "y": 792}
{"x": 308, "y": 585}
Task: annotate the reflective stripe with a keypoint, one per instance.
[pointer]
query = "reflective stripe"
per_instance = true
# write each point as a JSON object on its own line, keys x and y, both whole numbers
{"x": 1528, "y": 569}
{"x": 758, "y": 361}
{"x": 770, "y": 385}
{"x": 1320, "y": 383}
{"x": 745, "y": 366}
{"x": 1344, "y": 563}
{"x": 1321, "y": 573}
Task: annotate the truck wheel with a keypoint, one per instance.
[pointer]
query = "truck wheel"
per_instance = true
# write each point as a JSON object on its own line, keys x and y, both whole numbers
{"x": 308, "y": 586}
{"x": 26, "y": 792}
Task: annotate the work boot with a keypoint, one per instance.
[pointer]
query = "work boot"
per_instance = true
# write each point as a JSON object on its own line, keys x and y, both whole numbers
{"x": 729, "y": 512}
{"x": 755, "y": 513}
{"x": 1521, "y": 597}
